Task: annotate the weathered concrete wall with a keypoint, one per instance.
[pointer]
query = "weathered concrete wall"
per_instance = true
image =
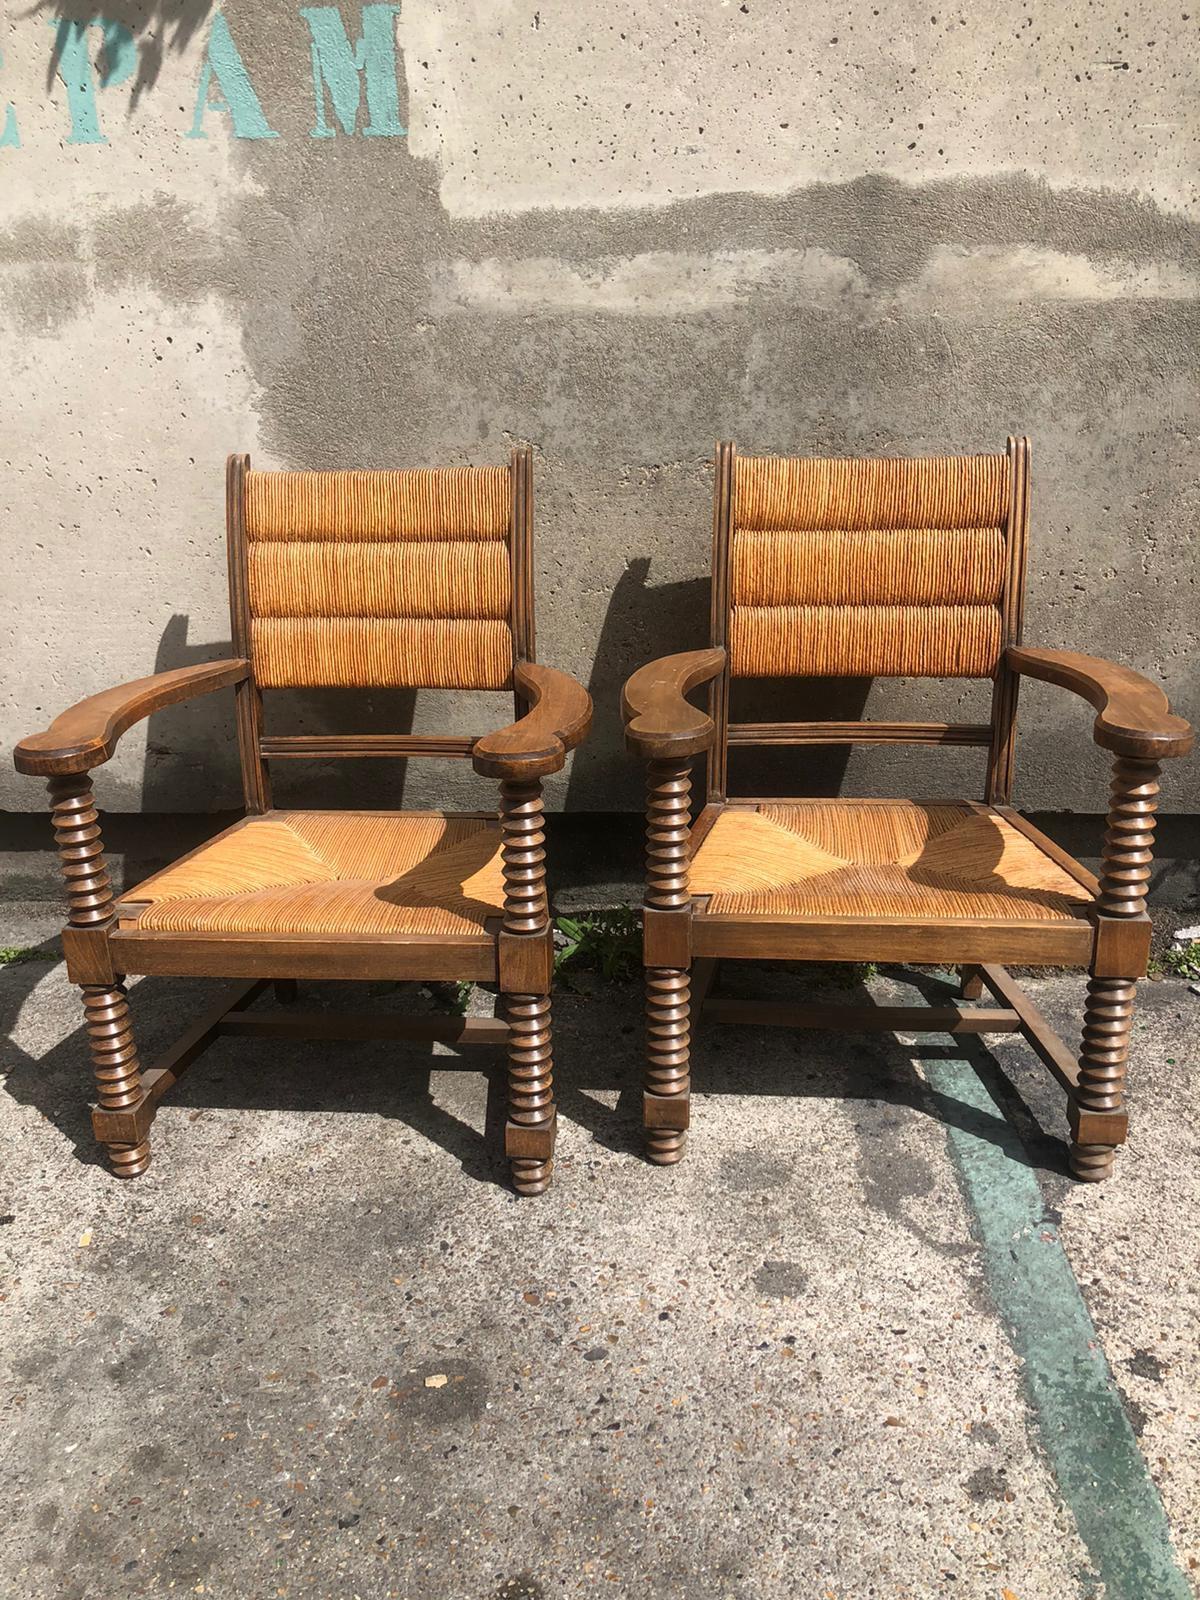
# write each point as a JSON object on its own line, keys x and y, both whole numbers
{"x": 619, "y": 233}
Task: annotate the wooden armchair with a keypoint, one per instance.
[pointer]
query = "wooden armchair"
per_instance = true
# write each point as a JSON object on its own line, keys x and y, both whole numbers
{"x": 360, "y": 580}
{"x": 892, "y": 568}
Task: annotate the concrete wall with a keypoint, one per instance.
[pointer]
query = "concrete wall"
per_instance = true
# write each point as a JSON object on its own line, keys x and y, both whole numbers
{"x": 617, "y": 232}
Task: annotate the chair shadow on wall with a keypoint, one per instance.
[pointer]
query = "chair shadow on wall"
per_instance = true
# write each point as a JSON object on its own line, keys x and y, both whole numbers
{"x": 644, "y": 621}
{"x": 180, "y": 740}
{"x": 158, "y": 28}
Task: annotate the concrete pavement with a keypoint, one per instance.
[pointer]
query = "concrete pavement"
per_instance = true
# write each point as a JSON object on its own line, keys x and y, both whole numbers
{"x": 846, "y": 1350}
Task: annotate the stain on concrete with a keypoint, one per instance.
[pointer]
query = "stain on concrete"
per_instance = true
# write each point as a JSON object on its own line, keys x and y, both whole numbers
{"x": 783, "y": 1280}
{"x": 1145, "y": 1364}
{"x": 1138, "y": 1416}
{"x": 985, "y": 1433}
{"x": 892, "y": 1177}
{"x": 989, "y": 1483}
{"x": 41, "y": 241}
{"x": 164, "y": 243}
{"x": 130, "y": 1366}
{"x": 523, "y": 1587}
{"x": 441, "y": 1393}
{"x": 748, "y": 1172}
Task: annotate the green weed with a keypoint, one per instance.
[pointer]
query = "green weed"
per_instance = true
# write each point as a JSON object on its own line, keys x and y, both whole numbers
{"x": 607, "y": 942}
{"x": 453, "y": 997}
{"x": 13, "y": 955}
{"x": 1179, "y": 961}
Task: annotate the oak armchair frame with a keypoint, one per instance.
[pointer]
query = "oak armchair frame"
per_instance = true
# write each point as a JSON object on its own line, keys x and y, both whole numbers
{"x": 553, "y": 714}
{"x": 683, "y": 948}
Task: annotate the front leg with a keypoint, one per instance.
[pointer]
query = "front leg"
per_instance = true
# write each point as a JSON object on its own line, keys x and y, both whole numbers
{"x": 122, "y": 1116}
{"x": 1097, "y": 1106}
{"x": 525, "y": 958}
{"x": 668, "y": 907}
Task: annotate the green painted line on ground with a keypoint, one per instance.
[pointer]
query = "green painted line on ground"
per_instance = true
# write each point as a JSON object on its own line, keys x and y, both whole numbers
{"x": 1101, "y": 1473}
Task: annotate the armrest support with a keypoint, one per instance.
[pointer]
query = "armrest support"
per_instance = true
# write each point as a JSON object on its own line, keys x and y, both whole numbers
{"x": 659, "y": 722}
{"x": 86, "y": 736}
{"x": 1134, "y": 718}
{"x": 559, "y": 717}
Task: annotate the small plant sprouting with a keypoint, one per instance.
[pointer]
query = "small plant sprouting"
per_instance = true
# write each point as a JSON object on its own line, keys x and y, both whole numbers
{"x": 1177, "y": 961}
{"x": 13, "y": 955}
{"x": 607, "y": 942}
{"x": 845, "y": 973}
{"x": 454, "y": 997}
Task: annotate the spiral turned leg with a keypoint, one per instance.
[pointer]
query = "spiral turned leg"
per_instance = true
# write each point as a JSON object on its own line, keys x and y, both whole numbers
{"x": 1107, "y": 1021}
{"x": 115, "y": 1062}
{"x": 529, "y": 1137}
{"x": 530, "y": 1090}
{"x": 668, "y": 988}
{"x": 1098, "y": 1102}
{"x": 106, "y": 1010}
{"x": 523, "y": 847}
{"x": 668, "y": 1009}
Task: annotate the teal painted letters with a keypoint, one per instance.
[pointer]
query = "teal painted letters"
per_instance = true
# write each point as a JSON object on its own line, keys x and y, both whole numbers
{"x": 223, "y": 62}
{"x": 8, "y": 131}
{"x": 75, "y": 69}
{"x": 336, "y": 67}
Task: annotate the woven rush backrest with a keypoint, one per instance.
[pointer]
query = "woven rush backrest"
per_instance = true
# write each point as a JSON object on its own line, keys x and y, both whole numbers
{"x": 377, "y": 579}
{"x": 868, "y": 568}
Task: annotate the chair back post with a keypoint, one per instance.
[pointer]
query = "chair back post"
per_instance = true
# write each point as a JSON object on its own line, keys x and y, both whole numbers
{"x": 256, "y": 782}
{"x": 717, "y": 761}
{"x": 521, "y": 556}
{"x": 1003, "y": 748}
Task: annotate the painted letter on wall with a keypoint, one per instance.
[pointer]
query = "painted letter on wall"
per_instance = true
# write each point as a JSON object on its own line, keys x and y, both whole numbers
{"x": 223, "y": 62}
{"x": 8, "y": 125}
{"x": 336, "y": 67}
{"x": 74, "y": 67}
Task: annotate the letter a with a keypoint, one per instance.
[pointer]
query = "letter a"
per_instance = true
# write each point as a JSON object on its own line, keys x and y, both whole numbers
{"x": 223, "y": 62}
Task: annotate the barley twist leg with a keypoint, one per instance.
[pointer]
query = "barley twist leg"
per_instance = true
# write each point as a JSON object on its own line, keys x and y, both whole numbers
{"x": 105, "y": 1007}
{"x": 668, "y": 989}
{"x": 531, "y": 1111}
{"x": 1108, "y": 1014}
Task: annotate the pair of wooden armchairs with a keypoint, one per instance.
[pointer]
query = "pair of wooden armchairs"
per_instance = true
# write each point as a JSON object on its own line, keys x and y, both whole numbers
{"x": 821, "y": 569}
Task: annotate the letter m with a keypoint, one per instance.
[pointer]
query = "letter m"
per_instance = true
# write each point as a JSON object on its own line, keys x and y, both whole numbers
{"x": 338, "y": 68}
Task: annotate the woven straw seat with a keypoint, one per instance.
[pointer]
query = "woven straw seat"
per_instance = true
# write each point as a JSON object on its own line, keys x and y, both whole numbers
{"x": 897, "y": 858}
{"x": 332, "y": 872}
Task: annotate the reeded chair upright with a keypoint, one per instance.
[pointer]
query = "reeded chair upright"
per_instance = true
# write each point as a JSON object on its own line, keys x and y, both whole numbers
{"x": 887, "y": 568}
{"x": 358, "y": 580}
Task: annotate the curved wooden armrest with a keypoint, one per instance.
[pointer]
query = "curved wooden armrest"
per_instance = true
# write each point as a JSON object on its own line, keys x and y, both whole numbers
{"x": 659, "y": 721}
{"x": 86, "y": 736}
{"x": 1134, "y": 716}
{"x": 559, "y": 717}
